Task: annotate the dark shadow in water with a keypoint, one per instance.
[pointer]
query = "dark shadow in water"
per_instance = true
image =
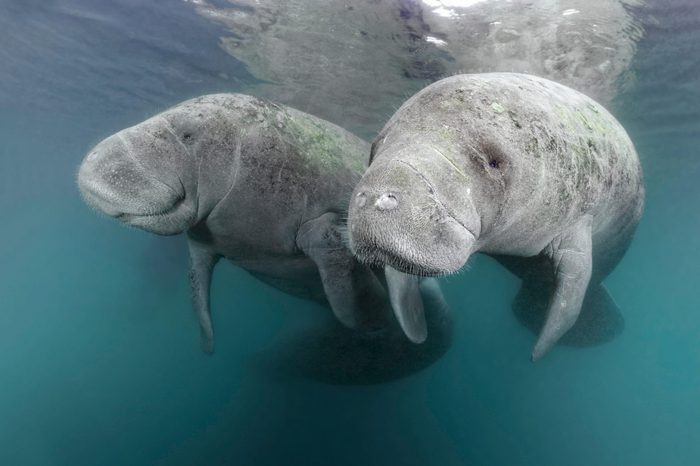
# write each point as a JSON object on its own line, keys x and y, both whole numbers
{"x": 164, "y": 262}
{"x": 333, "y": 354}
{"x": 329, "y": 352}
{"x": 600, "y": 320}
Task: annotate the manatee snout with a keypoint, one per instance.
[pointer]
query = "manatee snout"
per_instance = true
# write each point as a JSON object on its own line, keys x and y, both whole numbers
{"x": 120, "y": 181}
{"x": 397, "y": 219}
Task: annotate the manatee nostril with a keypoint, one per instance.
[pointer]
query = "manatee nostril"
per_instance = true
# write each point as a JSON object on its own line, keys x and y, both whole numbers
{"x": 386, "y": 201}
{"x": 360, "y": 199}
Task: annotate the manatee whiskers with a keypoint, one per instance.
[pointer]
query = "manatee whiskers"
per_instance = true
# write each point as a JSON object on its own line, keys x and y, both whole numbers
{"x": 403, "y": 261}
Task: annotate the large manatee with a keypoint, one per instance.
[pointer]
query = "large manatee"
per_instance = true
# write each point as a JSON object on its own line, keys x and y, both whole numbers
{"x": 518, "y": 167}
{"x": 263, "y": 185}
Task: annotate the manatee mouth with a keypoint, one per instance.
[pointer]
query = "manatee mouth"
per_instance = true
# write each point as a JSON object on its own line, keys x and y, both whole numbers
{"x": 129, "y": 217}
{"x": 369, "y": 251}
{"x": 98, "y": 195}
{"x": 378, "y": 257}
{"x": 178, "y": 218}
{"x": 167, "y": 213}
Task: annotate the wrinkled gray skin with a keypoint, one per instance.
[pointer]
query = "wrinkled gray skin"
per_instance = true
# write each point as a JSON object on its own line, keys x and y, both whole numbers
{"x": 263, "y": 185}
{"x": 506, "y": 164}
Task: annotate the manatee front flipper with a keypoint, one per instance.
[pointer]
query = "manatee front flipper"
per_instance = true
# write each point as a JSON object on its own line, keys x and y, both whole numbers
{"x": 202, "y": 262}
{"x": 405, "y": 296}
{"x": 571, "y": 257}
{"x": 354, "y": 292}
{"x": 600, "y": 319}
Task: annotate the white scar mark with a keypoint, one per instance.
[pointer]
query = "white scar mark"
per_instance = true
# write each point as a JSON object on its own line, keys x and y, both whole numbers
{"x": 451, "y": 163}
{"x": 235, "y": 169}
{"x": 170, "y": 129}
{"x": 129, "y": 149}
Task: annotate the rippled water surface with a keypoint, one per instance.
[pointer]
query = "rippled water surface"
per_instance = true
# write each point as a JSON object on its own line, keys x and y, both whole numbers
{"x": 99, "y": 360}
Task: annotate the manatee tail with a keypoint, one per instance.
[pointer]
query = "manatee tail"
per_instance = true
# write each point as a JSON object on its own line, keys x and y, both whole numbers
{"x": 599, "y": 322}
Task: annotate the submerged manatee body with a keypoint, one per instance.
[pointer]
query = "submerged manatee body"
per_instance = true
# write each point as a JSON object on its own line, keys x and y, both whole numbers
{"x": 260, "y": 184}
{"x": 518, "y": 167}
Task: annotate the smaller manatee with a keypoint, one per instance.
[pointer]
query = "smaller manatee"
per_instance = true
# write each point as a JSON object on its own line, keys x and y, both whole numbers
{"x": 263, "y": 185}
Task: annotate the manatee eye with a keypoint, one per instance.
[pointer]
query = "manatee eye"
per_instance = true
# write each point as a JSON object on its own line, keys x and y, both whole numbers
{"x": 187, "y": 137}
{"x": 493, "y": 163}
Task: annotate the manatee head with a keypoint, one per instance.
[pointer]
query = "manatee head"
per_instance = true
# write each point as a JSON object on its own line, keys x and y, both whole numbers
{"x": 411, "y": 211}
{"x": 151, "y": 175}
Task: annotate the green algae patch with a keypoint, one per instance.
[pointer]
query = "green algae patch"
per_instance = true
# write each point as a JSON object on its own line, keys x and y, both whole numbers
{"x": 498, "y": 108}
{"x": 585, "y": 121}
{"x": 322, "y": 145}
{"x": 589, "y": 119}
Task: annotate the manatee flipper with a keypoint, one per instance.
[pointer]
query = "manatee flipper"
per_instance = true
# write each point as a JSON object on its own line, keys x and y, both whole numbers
{"x": 354, "y": 292}
{"x": 202, "y": 262}
{"x": 600, "y": 319}
{"x": 406, "y": 300}
{"x": 571, "y": 256}
{"x": 432, "y": 296}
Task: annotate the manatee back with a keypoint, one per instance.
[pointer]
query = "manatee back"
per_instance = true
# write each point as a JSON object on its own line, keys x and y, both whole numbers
{"x": 289, "y": 167}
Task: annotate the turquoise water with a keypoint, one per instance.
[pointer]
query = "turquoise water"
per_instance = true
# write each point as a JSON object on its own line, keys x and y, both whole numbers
{"x": 99, "y": 359}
